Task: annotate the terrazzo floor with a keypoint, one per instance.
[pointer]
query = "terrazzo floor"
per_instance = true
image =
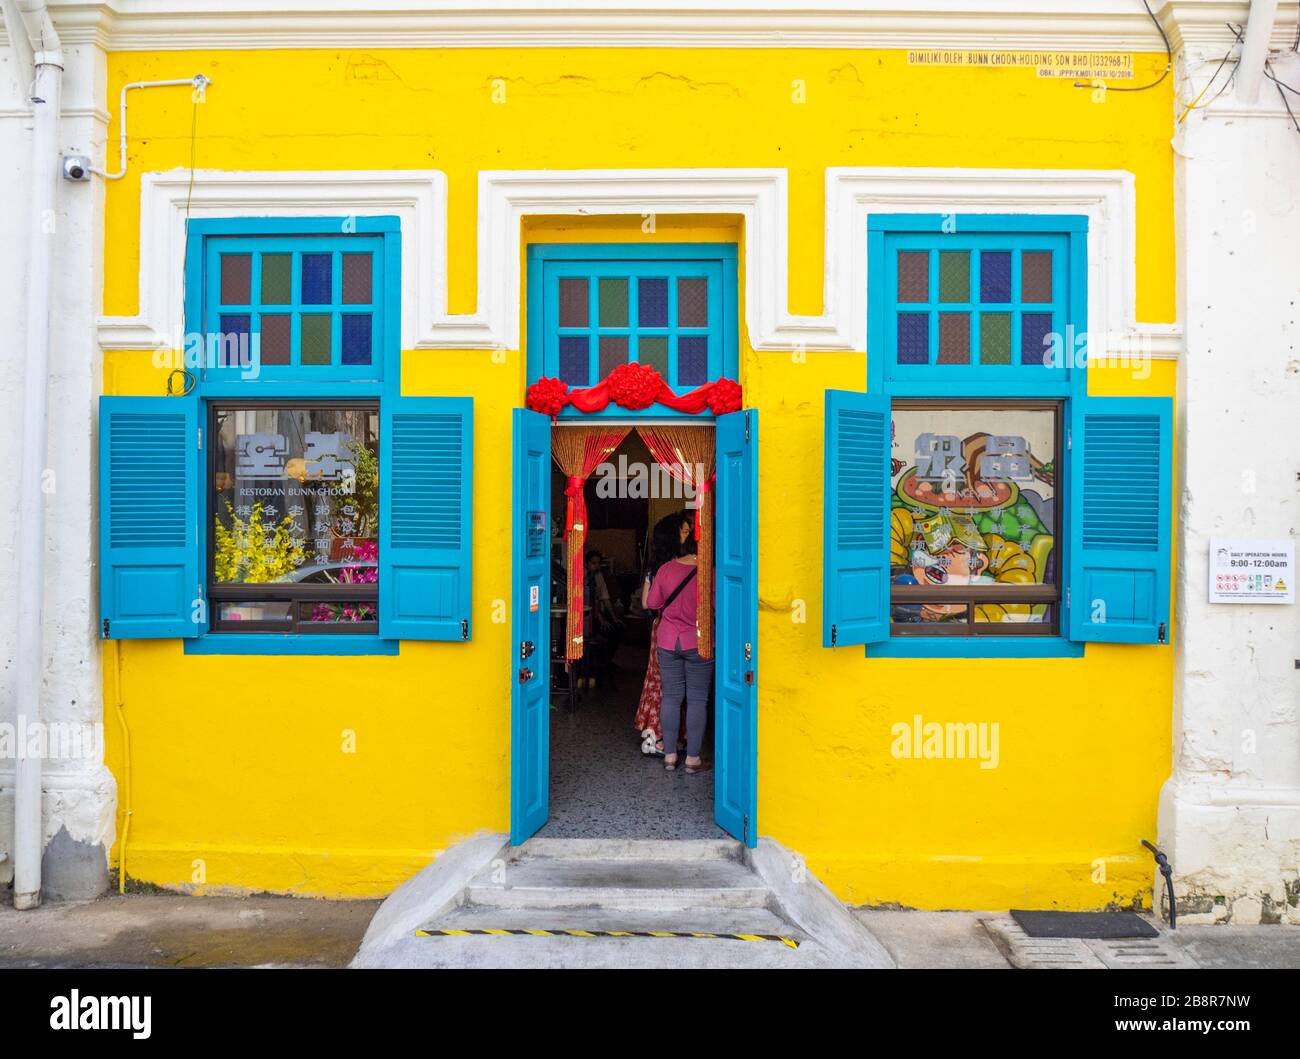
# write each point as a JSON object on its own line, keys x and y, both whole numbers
{"x": 602, "y": 786}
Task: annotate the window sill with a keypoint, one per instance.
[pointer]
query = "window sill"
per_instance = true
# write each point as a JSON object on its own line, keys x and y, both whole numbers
{"x": 976, "y": 647}
{"x": 222, "y": 643}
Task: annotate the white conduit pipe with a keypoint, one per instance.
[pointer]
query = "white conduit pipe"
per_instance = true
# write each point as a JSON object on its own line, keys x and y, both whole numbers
{"x": 198, "y": 82}
{"x": 45, "y": 97}
{"x": 1254, "y": 49}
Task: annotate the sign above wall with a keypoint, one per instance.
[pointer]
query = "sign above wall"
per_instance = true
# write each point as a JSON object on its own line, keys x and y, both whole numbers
{"x": 1252, "y": 571}
{"x": 1084, "y": 66}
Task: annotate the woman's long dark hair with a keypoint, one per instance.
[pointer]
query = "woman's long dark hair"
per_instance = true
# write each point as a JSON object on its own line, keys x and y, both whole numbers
{"x": 666, "y": 539}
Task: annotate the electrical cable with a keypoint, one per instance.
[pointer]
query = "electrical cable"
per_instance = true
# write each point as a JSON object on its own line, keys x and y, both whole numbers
{"x": 1169, "y": 61}
{"x": 1192, "y": 105}
{"x": 1282, "y": 95}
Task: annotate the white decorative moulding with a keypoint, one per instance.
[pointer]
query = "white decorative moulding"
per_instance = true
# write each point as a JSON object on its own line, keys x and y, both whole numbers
{"x": 759, "y": 196}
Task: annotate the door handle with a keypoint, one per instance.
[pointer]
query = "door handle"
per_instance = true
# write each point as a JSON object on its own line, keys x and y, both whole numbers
{"x": 526, "y": 648}
{"x": 525, "y": 675}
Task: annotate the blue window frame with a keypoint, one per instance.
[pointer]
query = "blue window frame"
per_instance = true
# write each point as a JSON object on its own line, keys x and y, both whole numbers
{"x": 976, "y": 335}
{"x": 988, "y": 305}
{"x": 235, "y": 458}
{"x": 594, "y": 306}
{"x": 311, "y": 300}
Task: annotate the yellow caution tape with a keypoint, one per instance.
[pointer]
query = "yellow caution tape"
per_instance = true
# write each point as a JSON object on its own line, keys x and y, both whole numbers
{"x": 537, "y": 933}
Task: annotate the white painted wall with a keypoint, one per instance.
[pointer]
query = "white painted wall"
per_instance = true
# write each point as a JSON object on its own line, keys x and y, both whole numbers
{"x": 80, "y": 794}
{"x": 1230, "y": 813}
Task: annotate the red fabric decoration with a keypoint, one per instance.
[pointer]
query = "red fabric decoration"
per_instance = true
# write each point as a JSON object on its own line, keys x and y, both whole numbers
{"x": 724, "y": 397}
{"x": 635, "y": 386}
{"x": 548, "y": 396}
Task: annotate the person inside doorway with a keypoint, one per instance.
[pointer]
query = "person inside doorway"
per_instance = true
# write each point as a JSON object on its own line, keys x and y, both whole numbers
{"x": 674, "y": 594}
{"x": 666, "y": 541}
{"x": 606, "y": 624}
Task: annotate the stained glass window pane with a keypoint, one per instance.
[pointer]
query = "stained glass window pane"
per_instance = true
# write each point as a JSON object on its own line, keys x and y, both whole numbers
{"x": 954, "y": 338}
{"x": 1036, "y": 276}
{"x": 234, "y": 346}
{"x": 653, "y": 350}
{"x": 236, "y": 278}
{"x": 612, "y": 293}
{"x": 995, "y": 338}
{"x": 913, "y": 338}
{"x": 914, "y": 275}
{"x": 1034, "y": 329}
{"x": 575, "y": 360}
{"x": 277, "y": 331}
{"x": 357, "y": 273}
{"x": 317, "y": 279}
{"x": 277, "y": 279}
{"x": 652, "y": 302}
{"x": 692, "y": 360}
{"x": 612, "y": 353}
{"x": 692, "y": 302}
{"x": 573, "y": 302}
{"x": 954, "y": 275}
{"x": 356, "y": 339}
{"x": 995, "y": 276}
{"x": 315, "y": 345}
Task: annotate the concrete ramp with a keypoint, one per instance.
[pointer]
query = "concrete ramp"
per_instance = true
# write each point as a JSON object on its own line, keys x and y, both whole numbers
{"x": 616, "y": 903}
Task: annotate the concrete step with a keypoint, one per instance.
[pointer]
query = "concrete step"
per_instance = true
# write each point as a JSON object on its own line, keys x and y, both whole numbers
{"x": 617, "y": 884}
{"x": 594, "y": 918}
{"x": 631, "y": 849}
{"x": 592, "y": 885}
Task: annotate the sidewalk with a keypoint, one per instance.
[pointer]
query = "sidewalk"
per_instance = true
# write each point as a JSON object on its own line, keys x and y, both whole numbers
{"x": 978, "y": 939}
{"x": 171, "y": 930}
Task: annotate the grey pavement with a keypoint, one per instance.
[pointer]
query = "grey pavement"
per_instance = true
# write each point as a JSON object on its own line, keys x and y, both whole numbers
{"x": 175, "y": 930}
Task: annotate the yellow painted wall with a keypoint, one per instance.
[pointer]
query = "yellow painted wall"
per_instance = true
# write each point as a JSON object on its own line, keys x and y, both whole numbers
{"x": 238, "y": 774}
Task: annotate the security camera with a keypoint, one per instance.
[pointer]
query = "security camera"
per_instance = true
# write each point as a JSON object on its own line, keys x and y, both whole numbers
{"x": 76, "y": 167}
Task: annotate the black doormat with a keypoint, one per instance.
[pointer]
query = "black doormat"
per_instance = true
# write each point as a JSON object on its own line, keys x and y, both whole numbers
{"x": 1083, "y": 924}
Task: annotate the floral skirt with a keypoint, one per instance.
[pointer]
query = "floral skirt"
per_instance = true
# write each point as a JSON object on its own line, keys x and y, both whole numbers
{"x": 648, "y": 721}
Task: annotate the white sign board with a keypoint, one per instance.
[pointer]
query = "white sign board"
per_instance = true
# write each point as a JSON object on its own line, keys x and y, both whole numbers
{"x": 1250, "y": 571}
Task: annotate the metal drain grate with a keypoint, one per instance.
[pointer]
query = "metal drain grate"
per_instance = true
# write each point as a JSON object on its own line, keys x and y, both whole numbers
{"x": 1029, "y": 953}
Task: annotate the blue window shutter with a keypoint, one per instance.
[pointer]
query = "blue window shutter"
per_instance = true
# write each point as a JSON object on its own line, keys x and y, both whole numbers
{"x": 855, "y": 606}
{"x": 1119, "y": 519}
{"x": 149, "y": 583}
{"x": 425, "y": 501}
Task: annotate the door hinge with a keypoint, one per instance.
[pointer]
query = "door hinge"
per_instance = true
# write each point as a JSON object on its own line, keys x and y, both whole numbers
{"x": 105, "y": 628}
{"x": 832, "y": 635}
{"x": 198, "y": 440}
{"x": 1067, "y": 599}
{"x": 1069, "y": 438}
{"x": 464, "y": 628}
{"x": 746, "y": 429}
{"x": 749, "y": 652}
{"x": 744, "y": 830}
{"x": 1161, "y": 633}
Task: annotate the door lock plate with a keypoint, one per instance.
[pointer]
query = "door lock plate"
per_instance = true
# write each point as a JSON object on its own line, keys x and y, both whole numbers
{"x": 525, "y": 675}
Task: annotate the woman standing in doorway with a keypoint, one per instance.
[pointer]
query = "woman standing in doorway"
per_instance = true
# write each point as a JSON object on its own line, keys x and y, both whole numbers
{"x": 675, "y": 594}
{"x": 666, "y": 541}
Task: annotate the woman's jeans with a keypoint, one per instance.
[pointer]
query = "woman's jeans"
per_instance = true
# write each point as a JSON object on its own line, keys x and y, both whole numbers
{"x": 684, "y": 673}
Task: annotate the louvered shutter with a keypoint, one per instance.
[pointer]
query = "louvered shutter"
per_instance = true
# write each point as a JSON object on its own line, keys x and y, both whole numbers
{"x": 855, "y": 575}
{"x": 149, "y": 583}
{"x": 425, "y": 498}
{"x": 1119, "y": 519}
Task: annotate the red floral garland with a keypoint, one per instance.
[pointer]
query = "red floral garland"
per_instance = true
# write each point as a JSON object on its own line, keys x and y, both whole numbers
{"x": 634, "y": 386}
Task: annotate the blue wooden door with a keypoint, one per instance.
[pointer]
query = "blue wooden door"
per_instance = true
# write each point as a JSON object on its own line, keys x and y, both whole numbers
{"x": 735, "y": 792}
{"x": 530, "y": 610}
